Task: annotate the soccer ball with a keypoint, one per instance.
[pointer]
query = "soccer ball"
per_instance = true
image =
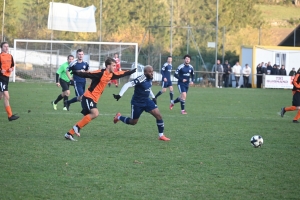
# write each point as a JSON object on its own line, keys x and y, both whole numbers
{"x": 257, "y": 141}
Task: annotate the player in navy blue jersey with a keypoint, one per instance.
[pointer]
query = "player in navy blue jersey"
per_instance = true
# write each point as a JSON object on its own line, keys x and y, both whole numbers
{"x": 166, "y": 80}
{"x": 184, "y": 73}
{"x": 78, "y": 65}
{"x": 141, "y": 102}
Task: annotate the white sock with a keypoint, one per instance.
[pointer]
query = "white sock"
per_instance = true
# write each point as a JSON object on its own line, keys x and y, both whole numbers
{"x": 160, "y": 134}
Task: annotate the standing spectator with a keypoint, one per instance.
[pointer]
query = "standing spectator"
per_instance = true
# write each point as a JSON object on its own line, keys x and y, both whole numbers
{"x": 274, "y": 70}
{"x": 236, "y": 70}
{"x": 259, "y": 72}
{"x": 6, "y": 67}
{"x": 246, "y": 74}
{"x": 292, "y": 72}
{"x": 282, "y": 71}
{"x": 227, "y": 72}
{"x": 263, "y": 68}
{"x": 220, "y": 70}
{"x": 269, "y": 68}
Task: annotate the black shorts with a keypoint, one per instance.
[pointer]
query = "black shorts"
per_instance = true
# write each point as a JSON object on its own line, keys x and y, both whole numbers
{"x": 4, "y": 83}
{"x": 296, "y": 99}
{"x": 64, "y": 85}
{"x": 87, "y": 104}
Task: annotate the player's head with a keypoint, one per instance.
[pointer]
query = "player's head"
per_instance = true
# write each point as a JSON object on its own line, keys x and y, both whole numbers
{"x": 187, "y": 59}
{"x": 169, "y": 59}
{"x": 148, "y": 71}
{"x": 70, "y": 58}
{"x": 79, "y": 54}
{"x": 110, "y": 64}
{"x": 4, "y": 47}
{"x": 116, "y": 55}
{"x": 218, "y": 62}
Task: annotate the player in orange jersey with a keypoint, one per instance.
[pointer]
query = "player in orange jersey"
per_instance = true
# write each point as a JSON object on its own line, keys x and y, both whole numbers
{"x": 6, "y": 67}
{"x": 118, "y": 68}
{"x": 100, "y": 79}
{"x": 296, "y": 98}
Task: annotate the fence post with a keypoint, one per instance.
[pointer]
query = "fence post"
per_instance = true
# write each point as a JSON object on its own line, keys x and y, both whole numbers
{"x": 263, "y": 80}
{"x": 216, "y": 78}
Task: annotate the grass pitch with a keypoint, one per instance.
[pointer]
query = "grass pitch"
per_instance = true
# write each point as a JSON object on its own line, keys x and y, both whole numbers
{"x": 209, "y": 155}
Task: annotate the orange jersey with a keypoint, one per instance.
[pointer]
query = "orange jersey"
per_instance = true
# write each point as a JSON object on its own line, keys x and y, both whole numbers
{"x": 6, "y": 62}
{"x": 100, "y": 78}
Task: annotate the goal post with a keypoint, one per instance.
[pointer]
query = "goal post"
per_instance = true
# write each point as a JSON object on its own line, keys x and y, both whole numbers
{"x": 38, "y": 60}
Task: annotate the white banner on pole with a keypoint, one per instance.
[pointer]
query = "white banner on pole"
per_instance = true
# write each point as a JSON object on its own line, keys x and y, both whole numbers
{"x": 66, "y": 17}
{"x": 277, "y": 81}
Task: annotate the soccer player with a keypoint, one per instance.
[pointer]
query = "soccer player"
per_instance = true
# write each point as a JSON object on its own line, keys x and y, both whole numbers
{"x": 118, "y": 68}
{"x": 79, "y": 82}
{"x": 100, "y": 79}
{"x": 141, "y": 102}
{"x": 6, "y": 67}
{"x": 296, "y": 98}
{"x": 183, "y": 73}
{"x": 166, "y": 80}
{"x": 63, "y": 81}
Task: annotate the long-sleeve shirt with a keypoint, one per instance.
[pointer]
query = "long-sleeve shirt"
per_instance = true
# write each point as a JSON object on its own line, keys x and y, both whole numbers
{"x": 246, "y": 71}
{"x": 236, "y": 69}
{"x": 184, "y": 72}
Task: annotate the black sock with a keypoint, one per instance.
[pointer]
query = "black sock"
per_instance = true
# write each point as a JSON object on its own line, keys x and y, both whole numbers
{"x": 65, "y": 99}
{"x": 58, "y": 99}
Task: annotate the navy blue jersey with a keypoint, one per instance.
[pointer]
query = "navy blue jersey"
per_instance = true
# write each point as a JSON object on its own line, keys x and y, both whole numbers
{"x": 142, "y": 89}
{"x": 76, "y": 66}
{"x": 184, "y": 72}
{"x": 166, "y": 71}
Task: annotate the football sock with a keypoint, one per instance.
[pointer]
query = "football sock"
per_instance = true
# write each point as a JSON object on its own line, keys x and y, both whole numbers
{"x": 124, "y": 119}
{"x": 8, "y": 110}
{"x": 297, "y": 116}
{"x": 182, "y": 103}
{"x": 58, "y": 99}
{"x": 160, "y": 126}
{"x": 177, "y": 100}
{"x": 84, "y": 121}
{"x": 171, "y": 96}
{"x": 73, "y": 100}
{"x": 71, "y": 131}
{"x": 158, "y": 94}
{"x": 291, "y": 108}
{"x": 65, "y": 99}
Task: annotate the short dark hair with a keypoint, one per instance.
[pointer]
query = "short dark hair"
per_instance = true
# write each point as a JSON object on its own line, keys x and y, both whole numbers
{"x": 109, "y": 60}
{"x": 79, "y": 50}
{"x": 70, "y": 56}
{"x": 187, "y": 56}
{"x": 169, "y": 57}
{"x": 3, "y": 43}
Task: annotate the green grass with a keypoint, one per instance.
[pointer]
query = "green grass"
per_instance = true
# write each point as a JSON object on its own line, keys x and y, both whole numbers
{"x": 209, "y": 155}
{"x": 279, "y": 12}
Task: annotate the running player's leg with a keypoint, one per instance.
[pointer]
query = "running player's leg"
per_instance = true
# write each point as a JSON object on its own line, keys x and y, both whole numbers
{"x": 153, "y": 110}
{"x": 79, "y": 90}
{"x": 163, "y": 89}
{"x": 296, "y": 103}
{"x": 4, "y": 93}
{"x": 90, "y": 112}
{"x": 136, "y": 112}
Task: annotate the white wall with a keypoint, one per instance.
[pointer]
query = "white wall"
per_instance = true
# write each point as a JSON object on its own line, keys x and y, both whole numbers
{"x": 246, "y": 59}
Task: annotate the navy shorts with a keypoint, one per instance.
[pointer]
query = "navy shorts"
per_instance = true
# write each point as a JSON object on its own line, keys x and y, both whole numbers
{"x": 79, "y": 88}
{"x": 166, "y": 84}
{"x": 87, "y": 104}
{"x": 183, "y": 88}
{"x": 138, "y": 109}
{"x": 296, "y": 99}
{"x": 4, "y": 83}
{"x": 64, "y": 85}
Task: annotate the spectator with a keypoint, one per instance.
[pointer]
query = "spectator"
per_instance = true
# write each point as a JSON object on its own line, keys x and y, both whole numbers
{"x": 236, "y": 70}
{"x": 246, "y": 74}
{"x": 259, "y": 72}
{"x": 292, "y": 72}
{"x": 219, "y": 68}
{"x": 282, "y": 71}
{"x": 264, "y": 68}
{"x": 269, "y": 68}
{"x": 227, "y": 72}
{"x": 274, "y": 70}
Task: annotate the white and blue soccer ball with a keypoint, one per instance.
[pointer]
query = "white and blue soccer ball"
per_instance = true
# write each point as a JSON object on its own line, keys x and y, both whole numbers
{"x": 257, "y": 141}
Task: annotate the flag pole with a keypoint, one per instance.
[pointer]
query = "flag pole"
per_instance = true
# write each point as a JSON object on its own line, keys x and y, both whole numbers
{"x": 52, "y": 8}
{"x": 100, "y": 35}
{"x": 3, "y": 20}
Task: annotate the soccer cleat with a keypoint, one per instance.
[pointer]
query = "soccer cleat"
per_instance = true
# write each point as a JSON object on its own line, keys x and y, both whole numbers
{"x": 54, "y": 105}
{"x": 69, "y": 137}
{"x": 116, "y": 117}
{"x": 282, "y": 111}
{"x": 67, "y": 105}
{"x": 13, "y": 117}
{"x": 164, "y": 138}
{"x": 183, "y": 112}
{"x": 65, "y": 108}
{"x": 295, "y": 121}
{"x": 76, "y": 130}
{"x": 171, "y": 106}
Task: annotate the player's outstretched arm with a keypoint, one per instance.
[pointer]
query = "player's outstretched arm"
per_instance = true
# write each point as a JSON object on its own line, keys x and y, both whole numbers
{"x": 121, "y": 74}
{"x": 94, "y": 74}
{"x": 123, "y": 90}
